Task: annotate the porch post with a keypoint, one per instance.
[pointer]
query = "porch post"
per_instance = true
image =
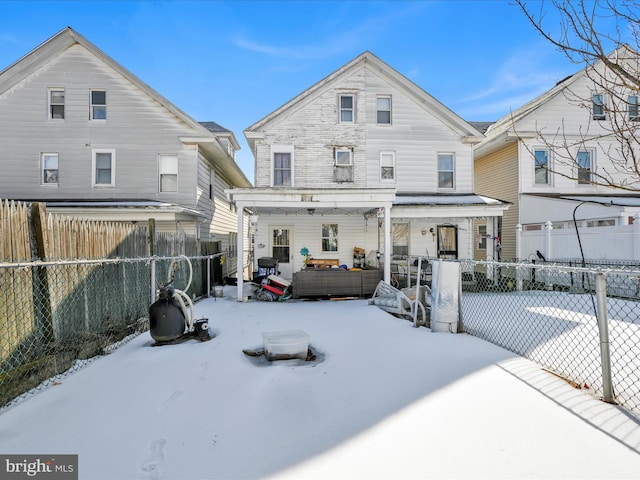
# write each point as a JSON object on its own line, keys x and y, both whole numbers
{"x": 387, "y": 244}
{"x": 548, "y": 230}
{"x": 240, "y": 254}
{"x": 519, "y": 242}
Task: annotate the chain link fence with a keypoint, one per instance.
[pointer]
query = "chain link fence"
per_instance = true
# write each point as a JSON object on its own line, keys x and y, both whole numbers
{"x": 58, "y": 316}
{"x": 556, "y": 316}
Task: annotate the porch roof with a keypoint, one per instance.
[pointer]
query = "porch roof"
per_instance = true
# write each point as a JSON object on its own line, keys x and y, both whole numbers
{"x": 447, "y": 205}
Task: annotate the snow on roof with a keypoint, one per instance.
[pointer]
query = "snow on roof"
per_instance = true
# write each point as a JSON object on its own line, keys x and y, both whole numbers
{"x": 446, "y": 200}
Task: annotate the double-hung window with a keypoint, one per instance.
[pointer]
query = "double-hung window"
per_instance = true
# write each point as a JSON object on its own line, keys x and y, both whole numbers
{"x": 104, "y": 168}
{"x": 168, "y": 168}
{"x": 347, "y": 108}
{"x": 541, "y": 168}
{"x": 383, "y": 110}
{"x": 598, "y": 107}
{"x": 400, "y": 239}
{"x": 584, "y": 159}
{"x": 634, "y": 111}
{"x": 387, "y": 166}
{"x": 329, "y": 237}
{"x": 49, "y": 168}
{"x": 446, "y": 170}
{"x": 282, "y": 165}
{"x": 56, "y": 103}
{"x": 98, "y": 105}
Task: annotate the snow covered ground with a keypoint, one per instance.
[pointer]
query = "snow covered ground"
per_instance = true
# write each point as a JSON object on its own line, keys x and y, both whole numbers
{"x": 383, "y": 400}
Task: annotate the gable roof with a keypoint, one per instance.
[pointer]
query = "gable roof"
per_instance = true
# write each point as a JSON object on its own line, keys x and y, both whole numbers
{"x": 503, "y": 129}
{"x": 67, "y": 38}
{"x": 421, "y": 97}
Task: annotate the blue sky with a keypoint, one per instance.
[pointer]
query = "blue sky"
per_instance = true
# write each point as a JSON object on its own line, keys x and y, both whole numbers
{"x": 233, "y": 62}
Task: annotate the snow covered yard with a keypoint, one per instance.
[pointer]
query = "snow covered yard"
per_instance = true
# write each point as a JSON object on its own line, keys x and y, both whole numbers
{"x": 384, "y": 400}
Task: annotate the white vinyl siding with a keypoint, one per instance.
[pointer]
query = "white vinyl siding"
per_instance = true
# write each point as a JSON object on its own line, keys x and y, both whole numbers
{"x": 168, "y": 168}
{"x": 104, "y": 168}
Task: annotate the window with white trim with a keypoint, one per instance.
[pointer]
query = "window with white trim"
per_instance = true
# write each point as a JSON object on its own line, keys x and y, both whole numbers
{"x": 346, "y": 106}
{"x": 329, "y": 237}
{"x": 49, "y": 162}
{"x": 343, "y": 157}
{"x": 446, "y": 170}
{"x": 598, "y": 106}
{"x": 482, "y": 237}
{"x": 104, "y": 168}
{"x": 383, "y": 110}
{"x": 387, "y": 166}
{"x": 400, "y": 239}
{"x": 584, "y": 159}
{"x": 282, "y": 169}
{"x": 168, "y": 170}
{"x": 98, "y": 108}
{"x": 56, "y": 103}
{"x": 541, "y": 166}
{"x": 634, "y": 111}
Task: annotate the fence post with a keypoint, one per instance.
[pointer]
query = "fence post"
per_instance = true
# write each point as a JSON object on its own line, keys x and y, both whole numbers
{"x": 153, "y": 279}
{"x": 603, "y": 327}
{"x": 39, "y": 227}
{"x": 209, "y": 276}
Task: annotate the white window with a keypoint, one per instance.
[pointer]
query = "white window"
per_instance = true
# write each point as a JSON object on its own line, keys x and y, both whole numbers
{"x": 168, "y": 168}
{"x": 56, "y": 103}
{"x": 584, "y": 159}
{"x": 598, "y": 107}
{"x": 446, "y": 170}
{"x": 98, "y": 105}
{"x": 383, "y": 110}
{"x": 400, "y": 239}
{"x": 387, "y": 166}
{"x": 634, "y": 111}
{"x": 482, "y": 237}
{"x": 104, "y": 168}
{"x": 49, "y": 162}
{"x": 541, "y": 159}
{"x": 347, "y": 108}
{"x": 329, "y": 237}
{"x": 343, "y": 157}
{"x": 282, "y": 169}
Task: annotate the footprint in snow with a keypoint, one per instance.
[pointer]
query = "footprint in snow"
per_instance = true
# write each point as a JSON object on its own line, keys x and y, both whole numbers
{"x": 152, "y": 466}
{"x": 168, "y": 403}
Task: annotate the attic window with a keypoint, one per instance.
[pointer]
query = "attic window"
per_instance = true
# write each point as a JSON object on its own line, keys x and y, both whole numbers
{"x": 98, "y": 105}
{"x": 597, "y": 101}
{"x": 347, "y": 108}
{"x": 56, "y": 103}
{"x": 383, "y": 110}
{"x": 634, "y": 112}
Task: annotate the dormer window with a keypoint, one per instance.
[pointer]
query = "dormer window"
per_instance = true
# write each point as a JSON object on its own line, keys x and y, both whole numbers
{"x": 597, "y": 102}
{"x": 347, "y": 108}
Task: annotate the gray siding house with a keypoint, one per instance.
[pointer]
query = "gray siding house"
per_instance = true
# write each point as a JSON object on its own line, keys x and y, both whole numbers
{"x": 86, "y": 136}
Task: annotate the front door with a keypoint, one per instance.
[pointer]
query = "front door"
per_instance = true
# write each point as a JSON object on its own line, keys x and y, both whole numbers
{"x": 281, "y": 244}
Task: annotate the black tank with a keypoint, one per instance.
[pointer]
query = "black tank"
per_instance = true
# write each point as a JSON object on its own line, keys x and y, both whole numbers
{"x": 166, "y": 320}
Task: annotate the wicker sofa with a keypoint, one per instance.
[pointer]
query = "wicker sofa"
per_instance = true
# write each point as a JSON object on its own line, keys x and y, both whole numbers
{"x": 335, "y": 282}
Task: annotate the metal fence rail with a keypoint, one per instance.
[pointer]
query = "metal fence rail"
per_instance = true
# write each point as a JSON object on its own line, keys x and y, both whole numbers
{"x": 556, "y": 316}
{"x": 58, "y": 316}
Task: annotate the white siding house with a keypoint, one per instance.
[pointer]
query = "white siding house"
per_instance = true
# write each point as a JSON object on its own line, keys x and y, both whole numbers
{"x": 553, "y": 157}
{"x": 364, "y": 158}
{"x": 84, "y": 135}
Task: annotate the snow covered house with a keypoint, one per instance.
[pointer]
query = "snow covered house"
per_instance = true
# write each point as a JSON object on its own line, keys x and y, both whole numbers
{"x": 364, "y": 159}
{"x": 568, "y": 153}
{"x": 87, "y": 137}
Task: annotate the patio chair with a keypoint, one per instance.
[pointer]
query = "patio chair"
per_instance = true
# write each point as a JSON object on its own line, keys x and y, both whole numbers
{"x": 402, "y": 303}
